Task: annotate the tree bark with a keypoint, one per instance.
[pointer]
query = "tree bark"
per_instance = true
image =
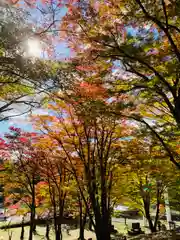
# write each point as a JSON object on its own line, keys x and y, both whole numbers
{"x": 56, "y": 228}
{"x": 102, "y": 228}
{"x": 22, "y": 231}
{"x": 47, "y": 231}
{"x": 59, "y": 231}
{"x": 32, "y": 223}
{"x": 102, "y": 232}
{"x": 33, "y": 213}
{"x": 151, "y": 226}
{"x": 177, "y": 109}
{"x": 82, "y": 220}
{"x": 148, "y": 216}
{"x": 82, "y": 226}
{"x": 101, "y": 213}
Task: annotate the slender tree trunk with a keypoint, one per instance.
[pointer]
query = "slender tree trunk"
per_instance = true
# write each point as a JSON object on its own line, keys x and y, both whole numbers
{"x": 47, "y": 230}
{"x": 177, "y": 110}
{"x": 57, "y": 233}
{"x": 33, "y": 213}
{"x": 61, "y": 213}
{"x": 151, "y": 226}
{"x": 82, "y": 226}
{"x": 22, "y": 230}
{"x": 32, "y": 223}
{"x": 34, "y": 228}
{"x": 56, "y": 228}
{"x": 156, "y": 217}
{"x": 148, "y": 216}
{"x": 82, "y": 220}
{"x": 53, "y": 200}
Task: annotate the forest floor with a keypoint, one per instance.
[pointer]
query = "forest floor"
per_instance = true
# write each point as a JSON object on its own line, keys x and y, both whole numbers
{"x": 74, "y": 234}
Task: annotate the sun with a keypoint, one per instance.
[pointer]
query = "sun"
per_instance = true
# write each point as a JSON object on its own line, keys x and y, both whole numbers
{"x": 34, "y": 48}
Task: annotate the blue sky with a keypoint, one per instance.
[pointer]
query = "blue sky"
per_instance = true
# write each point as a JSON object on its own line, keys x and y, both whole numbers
{"x": 4, "y": 126}
{"x": 22, "y": 121}
{"x": 62, "y": 52}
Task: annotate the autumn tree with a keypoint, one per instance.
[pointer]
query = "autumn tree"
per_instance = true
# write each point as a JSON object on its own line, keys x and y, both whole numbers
{"x": 139, "y": 41}
{"x": 22, "y": 171}
{"x": 54, "y": 172}
{"x": 147, "y": 174}
{"x": 59, "y": 190}
{"x": 89, "y": 141}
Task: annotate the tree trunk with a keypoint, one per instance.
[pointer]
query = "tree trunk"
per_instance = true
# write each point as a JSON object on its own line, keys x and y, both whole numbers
{"x": 147, "y": 201}
{"x": 22, "y": 232}
{"x": 56, "y": 228}
{"x": 102, "y": 232}
{"x": 148, "y": 216}
{"x": 33, "y": 212}
{"x": 34, "y": 228}
{"x": 82, "y": 226}
{"x": 177, "y": 110}
{"x": 82, "y": 220}
{"x": 151, "y": 226}
{"x": 57, "y": 234}
{"x": 59, "y": 231}
{"x": 47, "y": 231}
{"x": 102, "y": 228}
{"x": 102, "y": 219}
{"x": 31, "y": 224}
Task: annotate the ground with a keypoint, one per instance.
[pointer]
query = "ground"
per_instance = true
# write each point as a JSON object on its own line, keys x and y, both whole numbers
{"x": 41, "y": 232}
{"x": 74, "y": 234}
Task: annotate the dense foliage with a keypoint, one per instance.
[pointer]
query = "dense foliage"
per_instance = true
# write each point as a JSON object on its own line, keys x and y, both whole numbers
{"x": 109, "y": 134}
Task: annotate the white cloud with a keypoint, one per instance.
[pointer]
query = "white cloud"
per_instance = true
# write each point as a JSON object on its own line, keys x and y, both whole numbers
{"x": 25, "y": 120}
{"x": 40, "y": 111}
{"x": 20, "y": 121}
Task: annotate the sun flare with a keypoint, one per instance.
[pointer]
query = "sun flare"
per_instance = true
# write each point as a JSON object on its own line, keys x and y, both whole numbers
{"x": 34, "y": 48}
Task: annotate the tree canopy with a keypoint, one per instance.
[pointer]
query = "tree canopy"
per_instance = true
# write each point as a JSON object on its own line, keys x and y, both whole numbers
{"x": 112, "y": 118}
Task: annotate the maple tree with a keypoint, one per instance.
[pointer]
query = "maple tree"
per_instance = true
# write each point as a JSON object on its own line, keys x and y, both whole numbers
{"x": 127, "y": 53}
{"x": 139, "y": 40}
{"x": 147, "y": 174}
{"x": 22, "y": 172}
{"x": 89, "y": 143}
{"x": 58, "y": 180}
